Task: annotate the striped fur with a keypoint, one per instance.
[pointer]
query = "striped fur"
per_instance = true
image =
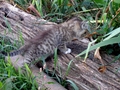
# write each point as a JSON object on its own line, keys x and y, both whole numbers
{"x": 46, "y": 43}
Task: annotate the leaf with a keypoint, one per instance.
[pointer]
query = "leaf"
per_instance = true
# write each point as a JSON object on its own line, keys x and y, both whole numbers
{"x": 68, "y": 68}
{"x": 32, "y": 8}
{"x": 116, "y": 58}
{"x": 104, "y": 17}
{"x": 97, "y": 53}
{"x": 73, "y": 85}
{"x": 112, "y": 33}
{"x": 102, "y": 69}
{"x": 51, "y": 82}
{"x": 55, "y": 58}
{"x": 116, "y": 1}
{"x": 8, "y": 85}
{"x": 99, "y": 1}
{"x": 98, "y": 56}
{"x": 103, "y": 43}
{"x": 87, "y": 50}
{"x": 1, "y": 84}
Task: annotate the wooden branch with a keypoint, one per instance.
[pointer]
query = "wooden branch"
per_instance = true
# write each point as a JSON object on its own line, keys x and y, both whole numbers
{"x": 85, "y": 76}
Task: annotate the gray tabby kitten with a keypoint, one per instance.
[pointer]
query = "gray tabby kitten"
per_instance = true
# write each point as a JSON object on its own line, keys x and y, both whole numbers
{"x": 46, "y": 43}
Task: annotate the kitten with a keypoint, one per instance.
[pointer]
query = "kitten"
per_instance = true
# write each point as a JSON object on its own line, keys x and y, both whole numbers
{"x": 45, "y": 43}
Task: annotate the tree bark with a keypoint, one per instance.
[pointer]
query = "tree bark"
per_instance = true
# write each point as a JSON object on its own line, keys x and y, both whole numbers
{"x": 85, "y": 75}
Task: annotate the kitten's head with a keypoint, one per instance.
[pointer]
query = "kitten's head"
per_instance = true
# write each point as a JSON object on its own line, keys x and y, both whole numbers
{"x": 77, "y": 26}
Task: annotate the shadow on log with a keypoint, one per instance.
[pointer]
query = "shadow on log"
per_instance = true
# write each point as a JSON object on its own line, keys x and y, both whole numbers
{"x": 85, "y": 76}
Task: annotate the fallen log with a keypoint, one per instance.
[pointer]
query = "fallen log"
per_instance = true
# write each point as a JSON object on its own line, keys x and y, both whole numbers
{"x": 85, "y": 76}
{"x": 29, "y": 26}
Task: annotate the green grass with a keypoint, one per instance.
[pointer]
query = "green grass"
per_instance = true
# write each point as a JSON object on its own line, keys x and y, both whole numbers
{"x": 10, "y": 79}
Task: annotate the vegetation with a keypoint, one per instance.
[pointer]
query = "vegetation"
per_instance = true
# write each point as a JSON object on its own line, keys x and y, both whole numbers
{"x": 102, "y": 14}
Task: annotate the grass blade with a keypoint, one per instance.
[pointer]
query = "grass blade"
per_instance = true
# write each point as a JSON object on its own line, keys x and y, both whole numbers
{"x": 103, "y": 43}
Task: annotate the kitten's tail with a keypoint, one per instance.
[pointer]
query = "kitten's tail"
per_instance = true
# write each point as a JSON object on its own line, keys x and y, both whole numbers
{"x": 13, "y": 53}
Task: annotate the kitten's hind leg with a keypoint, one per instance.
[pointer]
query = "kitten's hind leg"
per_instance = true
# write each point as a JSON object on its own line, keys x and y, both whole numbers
{"x": 63, "y": 48}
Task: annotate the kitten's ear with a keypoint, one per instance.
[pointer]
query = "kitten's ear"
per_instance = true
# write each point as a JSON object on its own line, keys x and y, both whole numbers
{"x": 65, "y": 24}
{"x": 85, "y": 25}
{"x": 74, "y": 19}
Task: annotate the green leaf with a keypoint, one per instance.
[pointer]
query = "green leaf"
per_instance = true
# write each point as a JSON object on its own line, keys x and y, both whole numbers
{"x": 1, "y": 84}
{"x": 73, "y": 85}
{"x": 103, "y": 43}
{"x": 113, "y": 33}
{"x": 87, "y": 50}
{"x": 99, "y": 1}
{"x": 116, "y": 1}
{"x": 68, "y": 69}
{"x": 116, "y": 58}
{"x": 50, "y": 83}
{"x": 104, "y": 17}
{"x": 8, "y": 85}
{"x": 55, "y": 58}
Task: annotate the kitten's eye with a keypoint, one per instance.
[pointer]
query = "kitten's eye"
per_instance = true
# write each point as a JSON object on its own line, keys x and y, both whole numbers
{"x": 85, "y": 32}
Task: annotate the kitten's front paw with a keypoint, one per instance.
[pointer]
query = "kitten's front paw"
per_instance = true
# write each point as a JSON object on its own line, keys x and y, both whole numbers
{"x": 68, "y": 51}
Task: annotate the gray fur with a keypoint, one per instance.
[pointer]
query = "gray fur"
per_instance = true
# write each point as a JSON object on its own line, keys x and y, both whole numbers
{"x": 46, "y": 43}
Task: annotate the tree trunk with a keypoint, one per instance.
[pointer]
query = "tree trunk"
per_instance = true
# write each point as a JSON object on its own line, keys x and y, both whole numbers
{"x": 85, "y": 75}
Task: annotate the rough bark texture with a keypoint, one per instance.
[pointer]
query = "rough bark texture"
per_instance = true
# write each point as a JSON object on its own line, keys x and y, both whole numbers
{"x": 85, "y": 76}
